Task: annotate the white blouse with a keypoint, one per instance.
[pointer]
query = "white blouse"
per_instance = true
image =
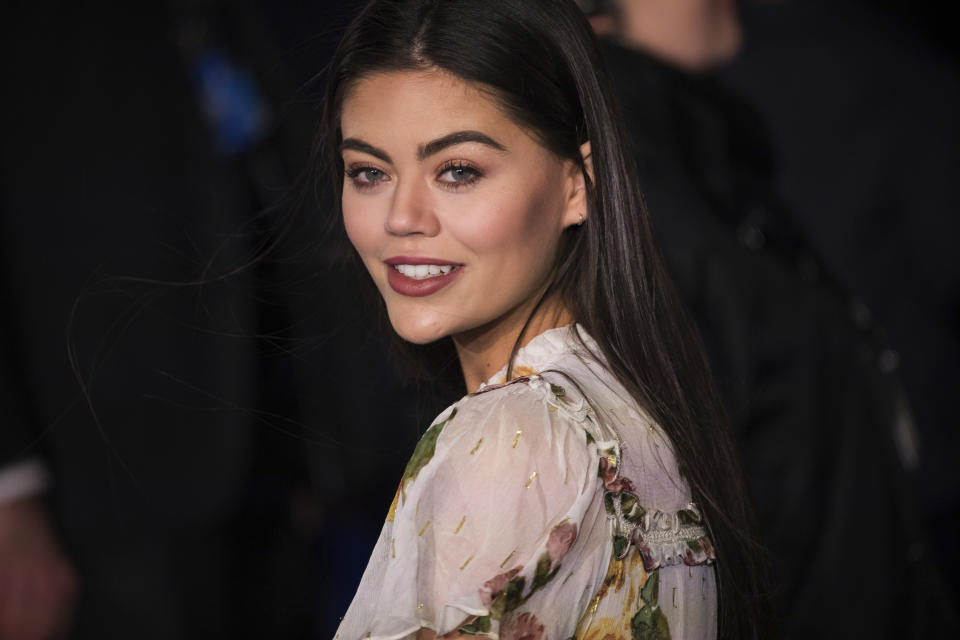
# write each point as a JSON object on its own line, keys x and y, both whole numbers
{"x": 547, "y": 507}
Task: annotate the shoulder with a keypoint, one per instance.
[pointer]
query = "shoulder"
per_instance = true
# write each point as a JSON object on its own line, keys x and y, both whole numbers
{"x": 523, "y": 420}
{"x": 502, "y": 490}
{"x": 516, "y": 435}
{"x": 534, "y": 405}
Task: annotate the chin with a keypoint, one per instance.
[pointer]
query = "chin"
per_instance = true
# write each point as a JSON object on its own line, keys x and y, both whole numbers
{"x": 418, "y": 330}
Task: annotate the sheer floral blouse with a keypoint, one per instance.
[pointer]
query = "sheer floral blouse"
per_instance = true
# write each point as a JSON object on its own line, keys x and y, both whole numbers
{"x": 547, "y": 507}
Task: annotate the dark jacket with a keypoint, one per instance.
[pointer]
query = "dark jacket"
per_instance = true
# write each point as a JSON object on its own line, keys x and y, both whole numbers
{"x": 796, "y": 360}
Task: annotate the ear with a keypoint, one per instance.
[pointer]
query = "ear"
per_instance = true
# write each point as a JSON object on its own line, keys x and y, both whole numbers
{"x": 575, "y": 212}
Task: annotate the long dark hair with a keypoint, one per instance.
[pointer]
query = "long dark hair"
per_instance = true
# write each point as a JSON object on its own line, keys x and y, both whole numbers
{"x": 541, "y": 61}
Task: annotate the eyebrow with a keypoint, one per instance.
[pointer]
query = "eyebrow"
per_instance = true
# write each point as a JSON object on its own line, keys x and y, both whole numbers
{"x": 459, "y": 137}
{"x": 359, "y": 145}
{"x": 432, "y": 147}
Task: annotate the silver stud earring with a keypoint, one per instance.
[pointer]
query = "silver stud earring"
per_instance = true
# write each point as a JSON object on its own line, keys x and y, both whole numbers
{"x": 580, "y": 222}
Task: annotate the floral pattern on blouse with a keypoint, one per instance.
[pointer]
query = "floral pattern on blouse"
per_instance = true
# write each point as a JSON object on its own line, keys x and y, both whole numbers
{"x": 661, "y": 538}
{"x": 506, "y": 592}
{"x": 643, "y": 541}
{"x": 540, "y": 510}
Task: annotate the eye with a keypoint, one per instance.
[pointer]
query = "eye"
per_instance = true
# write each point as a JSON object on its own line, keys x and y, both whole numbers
{"x": 457, "y": 174}
{"x": 365, "y": 177}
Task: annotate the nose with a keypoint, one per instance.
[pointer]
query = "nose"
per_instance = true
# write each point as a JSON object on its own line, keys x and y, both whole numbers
{"x": 411, "y": 211}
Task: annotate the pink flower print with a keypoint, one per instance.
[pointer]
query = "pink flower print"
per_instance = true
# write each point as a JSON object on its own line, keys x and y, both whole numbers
{"x": 646, "y": 553}
{"x": 495, "y": 585}
{"x": 560, "y": 541}
{"x": 620, "y": 484}
{"x": 608, "y": 471}
{"x": 522, "y": 627}
{"x": 708, "y": 547}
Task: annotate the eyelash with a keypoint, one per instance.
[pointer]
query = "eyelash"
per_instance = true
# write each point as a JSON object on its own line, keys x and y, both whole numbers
{"x": 460, "y": 165}
{"x": 354, "y": 172}
{"x": 474, "y": 175}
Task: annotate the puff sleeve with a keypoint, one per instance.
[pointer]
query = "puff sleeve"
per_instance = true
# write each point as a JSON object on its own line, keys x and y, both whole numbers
{"x": 498, "y": 527}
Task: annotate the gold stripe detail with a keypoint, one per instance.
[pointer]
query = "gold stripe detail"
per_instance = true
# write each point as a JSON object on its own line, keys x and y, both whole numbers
{"x": 460, "y": 526}
{"x": 530, "y": 480}
{"x": 675, "y": 598}
{"x": 516, "y": 438}
{"x": 594, "y": 605}
{"x": 507, "y": 559}
{"x": 393, "y": 547}
{"x": 424, "y": 528}
{"x": 392, "y": 512}
{"x": 464, "y": 565}
{"x": 476, "y": 446}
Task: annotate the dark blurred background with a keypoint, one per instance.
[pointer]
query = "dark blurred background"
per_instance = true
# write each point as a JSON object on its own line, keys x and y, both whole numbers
{"x": 200, "y": 427}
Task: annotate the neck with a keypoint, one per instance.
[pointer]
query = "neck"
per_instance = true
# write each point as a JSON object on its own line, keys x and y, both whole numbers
{"x": 485, "y": 350}
{"x": 693, "y": 34}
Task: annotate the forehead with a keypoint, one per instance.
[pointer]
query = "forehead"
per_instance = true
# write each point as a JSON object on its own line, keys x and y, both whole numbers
{"x": 421, "y": 105}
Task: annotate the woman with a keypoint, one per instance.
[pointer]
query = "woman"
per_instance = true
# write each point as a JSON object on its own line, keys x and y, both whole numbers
{"x": 588, "y": 482}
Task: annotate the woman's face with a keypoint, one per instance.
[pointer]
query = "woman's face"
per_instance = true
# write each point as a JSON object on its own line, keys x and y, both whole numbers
{"x": 455, "y": 210}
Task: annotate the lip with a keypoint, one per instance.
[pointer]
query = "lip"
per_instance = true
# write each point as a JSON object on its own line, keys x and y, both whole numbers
{"x": 412, "y": 287}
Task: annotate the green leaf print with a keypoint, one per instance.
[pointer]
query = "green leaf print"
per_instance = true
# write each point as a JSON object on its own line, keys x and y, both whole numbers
{"x": 651, "y": 589}
{"x": 619, "y": 545}
{"x": 685, "y": 516}
{"x": 423, "y": 453}
{"x": 609, "y": 504}
{"x": 509, "y": 599}
{"x": 514, "y": 594}
{"x": 543, "y": 575}
{"x": 649, "y": 623}
{"x": 478, "y": 626}
{"x": 630, "y": 507}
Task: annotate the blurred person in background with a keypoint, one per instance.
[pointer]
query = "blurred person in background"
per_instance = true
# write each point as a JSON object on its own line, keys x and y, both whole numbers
{"x": 137, "y": 459}
{"x": 862, "y": 108}
{"x": 824, "y": 428}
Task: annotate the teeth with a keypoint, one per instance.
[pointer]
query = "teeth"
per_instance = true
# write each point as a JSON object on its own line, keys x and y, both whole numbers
{"x": 424, "y": 271}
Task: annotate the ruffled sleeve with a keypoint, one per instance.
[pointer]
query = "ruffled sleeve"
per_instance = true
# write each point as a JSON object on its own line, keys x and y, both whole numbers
{"x": 498, "y": 528}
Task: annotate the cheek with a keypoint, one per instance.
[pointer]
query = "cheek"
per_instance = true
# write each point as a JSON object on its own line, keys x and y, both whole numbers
{"x": 515, "y": 223}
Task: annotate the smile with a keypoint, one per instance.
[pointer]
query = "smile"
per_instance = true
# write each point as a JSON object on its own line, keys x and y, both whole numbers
{"x": 418, "y": 277}
{"x": 424, "y": 271}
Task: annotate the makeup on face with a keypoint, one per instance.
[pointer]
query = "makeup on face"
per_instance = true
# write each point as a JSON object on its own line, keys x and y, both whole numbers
{"x": 418, "y": 276}
{"x": 455, "y": 210}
